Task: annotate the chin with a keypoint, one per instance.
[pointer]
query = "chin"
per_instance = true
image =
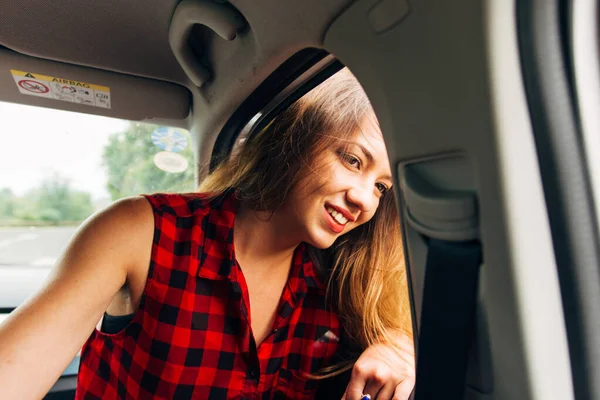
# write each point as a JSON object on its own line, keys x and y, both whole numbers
{"x": 323, "y": 246}
{"x": 321, "y": 241}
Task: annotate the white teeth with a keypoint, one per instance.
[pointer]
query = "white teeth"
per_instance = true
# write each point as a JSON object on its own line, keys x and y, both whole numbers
{"x": 341, "y": 219}
{"x": 337, "y": 216}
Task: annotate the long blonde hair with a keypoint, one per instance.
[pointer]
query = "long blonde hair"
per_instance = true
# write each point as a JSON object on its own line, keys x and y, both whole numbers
{"x": 367, "y": 277}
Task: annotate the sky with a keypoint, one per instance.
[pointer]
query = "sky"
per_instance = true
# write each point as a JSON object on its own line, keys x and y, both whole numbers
{"x": 36, "y": 142}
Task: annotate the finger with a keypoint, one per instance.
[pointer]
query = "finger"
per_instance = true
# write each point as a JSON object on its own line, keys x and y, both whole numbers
{"x": 385, "y": 392}
{"x": 357, "y": 383}
{"x": 373, "y": 388}
{"x": 403, "y": 390}
{"x": 355, "y": 391}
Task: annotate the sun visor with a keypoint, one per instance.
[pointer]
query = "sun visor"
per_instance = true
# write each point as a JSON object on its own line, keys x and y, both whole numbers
{"x": 37, "y": 82}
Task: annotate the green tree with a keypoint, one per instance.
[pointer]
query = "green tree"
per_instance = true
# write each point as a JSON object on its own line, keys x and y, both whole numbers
{"x": 7, "y": 203}
{"x": 27, "y": 207}
{"x": 57, "y": 201}
{"x": 129, "y": 161}
{"x": 53, "y": 201}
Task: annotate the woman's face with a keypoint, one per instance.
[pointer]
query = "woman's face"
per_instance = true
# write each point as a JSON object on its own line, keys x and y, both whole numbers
{"x": 342, "y": 189}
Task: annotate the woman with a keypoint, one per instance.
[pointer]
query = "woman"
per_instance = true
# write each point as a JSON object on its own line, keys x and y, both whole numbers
{"x": 218, "y": 315}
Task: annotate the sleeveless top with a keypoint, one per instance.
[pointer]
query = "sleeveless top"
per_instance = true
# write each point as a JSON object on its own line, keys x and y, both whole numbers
{"x": 191, "y": 335}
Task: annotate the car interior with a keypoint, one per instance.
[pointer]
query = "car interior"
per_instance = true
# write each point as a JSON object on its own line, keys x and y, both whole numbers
{"x": 488, "y": 128}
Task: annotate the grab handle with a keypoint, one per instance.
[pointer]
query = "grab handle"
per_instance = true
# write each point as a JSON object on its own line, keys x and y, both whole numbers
{"x": 223, "y": 19}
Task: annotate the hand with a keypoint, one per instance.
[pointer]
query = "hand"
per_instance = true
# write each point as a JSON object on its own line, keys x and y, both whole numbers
{"x": 384, "y": 372}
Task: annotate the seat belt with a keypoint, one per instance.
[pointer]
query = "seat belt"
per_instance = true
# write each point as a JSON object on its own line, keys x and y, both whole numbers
{"x": 447, "y": 217}
{"x": 447, "y": 318}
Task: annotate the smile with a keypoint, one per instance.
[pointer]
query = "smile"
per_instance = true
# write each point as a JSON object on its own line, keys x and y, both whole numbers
{"x": 339, "y": 218}
{"x": 336, "y": 223}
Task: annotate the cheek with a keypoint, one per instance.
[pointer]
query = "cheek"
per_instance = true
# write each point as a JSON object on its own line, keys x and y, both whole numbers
{"x": 367, "y": 216}
{"x": 317, "y": 177}
{"x": 362, "y": 219}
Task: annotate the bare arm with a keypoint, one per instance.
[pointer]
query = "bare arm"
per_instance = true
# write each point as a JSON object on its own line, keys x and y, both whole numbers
{"x": 41, "y": 337}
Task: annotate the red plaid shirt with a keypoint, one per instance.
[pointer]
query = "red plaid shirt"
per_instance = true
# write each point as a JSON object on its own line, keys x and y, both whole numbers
{"x": 191, "y": 335}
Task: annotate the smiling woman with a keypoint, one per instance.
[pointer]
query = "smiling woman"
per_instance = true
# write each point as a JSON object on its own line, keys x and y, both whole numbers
{"x": 288, "y": 257}
{"x": 334, "y": 156}
{"x": 319, "y": 174}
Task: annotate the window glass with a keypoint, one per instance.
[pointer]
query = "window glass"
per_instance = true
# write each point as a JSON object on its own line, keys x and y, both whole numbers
{"x": 57, "y": 168}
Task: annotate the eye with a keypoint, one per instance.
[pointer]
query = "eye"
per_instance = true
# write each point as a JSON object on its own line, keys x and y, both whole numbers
{"x": 351, "y": 160}
{"x": 381, "y": 187}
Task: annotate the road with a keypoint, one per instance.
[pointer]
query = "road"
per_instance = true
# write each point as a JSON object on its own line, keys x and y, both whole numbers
{"x": 33, "y": 247}
{"x": 26, "y": 257}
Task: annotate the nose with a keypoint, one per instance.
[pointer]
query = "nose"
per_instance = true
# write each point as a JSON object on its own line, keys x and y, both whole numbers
{"x": 362, "y": 198}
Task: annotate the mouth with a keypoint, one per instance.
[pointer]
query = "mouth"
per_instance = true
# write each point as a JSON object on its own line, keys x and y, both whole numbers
{"x": 336, "y": 221}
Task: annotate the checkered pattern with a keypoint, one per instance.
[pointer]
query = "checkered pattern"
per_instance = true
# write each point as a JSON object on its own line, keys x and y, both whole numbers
{"x": 191, "y": 336}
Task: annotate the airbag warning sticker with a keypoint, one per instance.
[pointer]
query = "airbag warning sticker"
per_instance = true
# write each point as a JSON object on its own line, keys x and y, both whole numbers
{"x": 62, "y": 89}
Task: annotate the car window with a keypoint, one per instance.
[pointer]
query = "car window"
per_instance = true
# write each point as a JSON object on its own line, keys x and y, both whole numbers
{"x": 57, "y": 168}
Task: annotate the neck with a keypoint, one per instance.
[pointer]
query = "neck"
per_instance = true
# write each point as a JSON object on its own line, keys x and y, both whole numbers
{"x": 262, "y": 241}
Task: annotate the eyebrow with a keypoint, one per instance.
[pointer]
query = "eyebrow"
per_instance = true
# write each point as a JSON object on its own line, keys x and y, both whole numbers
{"x": 370, "y": 157}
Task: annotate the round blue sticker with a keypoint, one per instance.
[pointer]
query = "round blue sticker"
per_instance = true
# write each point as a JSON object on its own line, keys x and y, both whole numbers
{"x": 169, "y": 139}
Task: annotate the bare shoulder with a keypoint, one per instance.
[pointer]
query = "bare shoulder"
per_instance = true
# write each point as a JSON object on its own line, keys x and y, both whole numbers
{"x": 125, "y": 230}
{"x": 131, "y": 212}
